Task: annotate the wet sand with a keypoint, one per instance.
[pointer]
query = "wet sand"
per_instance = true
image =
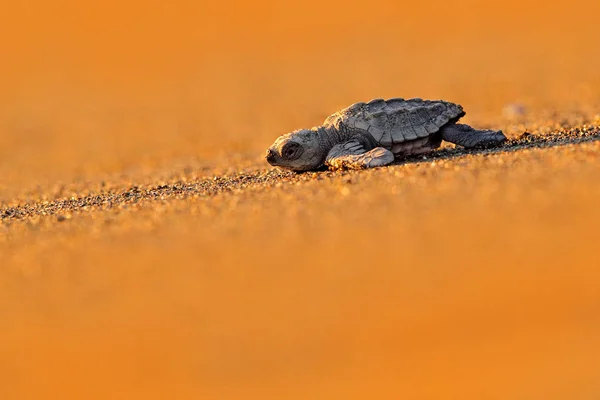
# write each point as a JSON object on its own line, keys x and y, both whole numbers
{"x": 148, "y": 252}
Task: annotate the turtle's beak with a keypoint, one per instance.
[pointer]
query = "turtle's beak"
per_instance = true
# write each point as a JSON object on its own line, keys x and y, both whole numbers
{"x": 270, "y": 157}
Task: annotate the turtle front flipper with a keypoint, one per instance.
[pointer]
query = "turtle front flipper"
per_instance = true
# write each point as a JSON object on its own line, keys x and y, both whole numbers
{"x": 352, "y": 155}
{"x": 464, "y": 135}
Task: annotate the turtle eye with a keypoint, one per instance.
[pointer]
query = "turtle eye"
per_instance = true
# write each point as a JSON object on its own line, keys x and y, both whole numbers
{"x": 289, "y": 151}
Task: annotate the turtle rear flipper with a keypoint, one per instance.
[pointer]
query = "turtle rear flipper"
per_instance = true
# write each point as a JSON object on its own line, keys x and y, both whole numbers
{"x": 464, "y": 135}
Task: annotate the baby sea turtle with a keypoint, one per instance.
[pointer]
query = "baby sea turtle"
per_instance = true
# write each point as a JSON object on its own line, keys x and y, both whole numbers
{"x": 373, "y": 134}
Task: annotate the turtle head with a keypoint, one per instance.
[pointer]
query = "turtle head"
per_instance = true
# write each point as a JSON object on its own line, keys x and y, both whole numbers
{"x": 298, "y": 151}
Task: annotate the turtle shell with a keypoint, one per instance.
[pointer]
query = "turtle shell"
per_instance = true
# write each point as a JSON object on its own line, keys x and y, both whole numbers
{"x": 395, "y": 121}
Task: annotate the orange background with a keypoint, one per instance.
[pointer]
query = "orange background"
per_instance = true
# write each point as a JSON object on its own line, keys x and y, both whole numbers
{"x": 99, "y": 88}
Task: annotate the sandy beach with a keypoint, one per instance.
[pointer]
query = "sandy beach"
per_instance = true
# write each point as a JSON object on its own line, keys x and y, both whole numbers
{"x": 147, "y": 250}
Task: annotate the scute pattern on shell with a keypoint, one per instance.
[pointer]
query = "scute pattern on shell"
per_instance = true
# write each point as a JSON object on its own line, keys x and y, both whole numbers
{"x": 397, "y": 120}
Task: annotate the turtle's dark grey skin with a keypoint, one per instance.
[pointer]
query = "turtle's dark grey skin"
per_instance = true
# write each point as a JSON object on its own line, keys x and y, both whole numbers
{"x": 373, "y": 134}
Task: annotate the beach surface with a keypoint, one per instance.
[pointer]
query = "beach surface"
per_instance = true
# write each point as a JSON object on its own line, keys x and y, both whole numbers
{"x": 147, "y": 250}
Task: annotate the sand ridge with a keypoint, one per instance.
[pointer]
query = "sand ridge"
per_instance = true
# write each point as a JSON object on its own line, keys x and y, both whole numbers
{"x": 220, "y": 184}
